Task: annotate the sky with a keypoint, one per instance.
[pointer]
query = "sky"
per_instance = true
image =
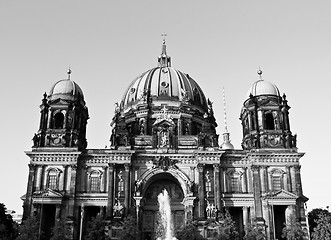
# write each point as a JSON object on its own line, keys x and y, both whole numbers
{"x": 219, "y": 43}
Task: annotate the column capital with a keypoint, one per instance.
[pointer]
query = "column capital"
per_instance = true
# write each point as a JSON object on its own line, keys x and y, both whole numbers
{"x": 32, "y": 166}
{"x": 111, "y": 166}
{"x": 200, "y": 167}
{"x": 297, "y": 168}
{"x": 216, "y": 167}
{"x": 73, "y": 166}
{"x": 255, "y": 168}
{"x": 246, "y": 208}
{"x": 127, "y": 167}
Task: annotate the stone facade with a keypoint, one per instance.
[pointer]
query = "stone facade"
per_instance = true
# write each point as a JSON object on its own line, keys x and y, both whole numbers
{"x": 163, "y": 137}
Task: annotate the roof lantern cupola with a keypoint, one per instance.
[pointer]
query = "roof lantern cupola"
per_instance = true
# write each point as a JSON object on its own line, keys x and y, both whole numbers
{"x": 164, "y": 60}
{"x": 265, "y": 118}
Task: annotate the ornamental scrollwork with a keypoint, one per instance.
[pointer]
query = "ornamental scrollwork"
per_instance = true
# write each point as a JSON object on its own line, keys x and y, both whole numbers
{"x": 164, "y": 163}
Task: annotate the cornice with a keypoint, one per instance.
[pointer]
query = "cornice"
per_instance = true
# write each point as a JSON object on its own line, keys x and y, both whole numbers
{"x": 63, "y": 157}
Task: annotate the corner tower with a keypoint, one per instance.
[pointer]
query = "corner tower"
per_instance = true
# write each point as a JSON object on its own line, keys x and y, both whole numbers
{"x": 55, "y": 155}
{"x": 265, "y": 118}
{"x": 63, "y": 117}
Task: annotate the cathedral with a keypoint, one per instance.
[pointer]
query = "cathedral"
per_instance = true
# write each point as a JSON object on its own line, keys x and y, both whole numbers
{"x": 164, "y": 137}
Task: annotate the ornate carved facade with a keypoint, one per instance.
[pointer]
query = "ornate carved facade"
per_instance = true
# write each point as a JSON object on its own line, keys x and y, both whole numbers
{"x": 164, "y": 137}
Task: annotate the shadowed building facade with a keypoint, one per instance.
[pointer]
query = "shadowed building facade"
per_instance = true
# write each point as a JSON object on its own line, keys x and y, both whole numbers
{"x": 164, "y": 137}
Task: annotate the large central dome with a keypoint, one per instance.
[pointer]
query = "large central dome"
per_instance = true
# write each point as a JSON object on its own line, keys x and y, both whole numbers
{"x": 164, "y": 109}
{"x": 164, "y": 85}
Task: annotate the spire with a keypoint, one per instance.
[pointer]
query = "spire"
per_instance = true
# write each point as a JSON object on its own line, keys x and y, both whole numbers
{"x": 226, "y": 135}
{"x": 164, "y": 60}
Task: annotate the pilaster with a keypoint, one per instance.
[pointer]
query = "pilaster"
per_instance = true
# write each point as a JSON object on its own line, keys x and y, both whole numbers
{"x": 110, "y": 190}
{"x": 28, "y": 199}
{"x": 257, "y": 192}
{"x": 217, "y": 194}
{"x": 201, "y": 191}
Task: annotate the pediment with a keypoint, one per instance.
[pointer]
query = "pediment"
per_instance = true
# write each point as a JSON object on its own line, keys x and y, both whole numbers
{"x": 281, "y": 195}
{"x": 270, "y": 102}
{"x": 164, "y": 121}
{"x": 59, "y": 102}
{"x": 47, "y": 193}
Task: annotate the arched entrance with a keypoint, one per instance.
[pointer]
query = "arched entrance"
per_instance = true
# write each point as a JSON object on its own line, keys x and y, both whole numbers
{"x": 150, "y": 208}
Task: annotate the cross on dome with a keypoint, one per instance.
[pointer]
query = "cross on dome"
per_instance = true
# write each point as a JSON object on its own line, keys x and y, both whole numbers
{"x": 164, "y": 60}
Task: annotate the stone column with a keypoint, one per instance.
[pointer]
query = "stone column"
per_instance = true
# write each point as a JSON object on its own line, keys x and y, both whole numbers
{"x": 49, "y": 118}
{"x": 43, "y": 178}
{"x": 72, "y": 190}
{"x": 201, "y": 191}
{"x": 244, "y": 180}
{"x": 285, "y": 179}
{"x": 110, "y": 190}
{"x": 271, "y": 187}
{"x": 262, "y": 177}
{"x": 245, "y": 216}
{"x": 249, "y": 180}
{"x": 65, "y": 178}
{"x": 57, "y": 211}
{"x": 293, "y": 180}
{"x": 288, "y": 179}
{"x": 105, "y": 179}
{"x": 28, "y": 200}
{"x": 267, "y": 219}
{"x": 217, "y": 195}
{"x": 225, "y": 188}
{"x": 221, "y": 180}
{"x": 192, "y": 174}
{"x": 257, "y": 192}
{"x": 127, "y": 188}
{"x": 298, "y": 186}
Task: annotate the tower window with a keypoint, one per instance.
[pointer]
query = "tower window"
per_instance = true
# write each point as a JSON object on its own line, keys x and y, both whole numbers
{"x": 235, "y": 184}
{"x": 276, "y": 183}
{"x": 95, "y": 181}
{"x": 234, "y": 181}
{"x": 269, "y": 121}
{"x": 120, "y": 184}
{"x": 276, "y": 179}
{"x": 52, "y": 179}
{"x": 58, "y": 120}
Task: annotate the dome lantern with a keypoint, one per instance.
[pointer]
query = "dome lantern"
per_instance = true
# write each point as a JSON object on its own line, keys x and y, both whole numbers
{"x": 164, "y": 60}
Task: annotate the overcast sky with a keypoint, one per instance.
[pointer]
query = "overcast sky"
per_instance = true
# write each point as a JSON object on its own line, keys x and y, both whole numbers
{"x": 219, "y": 43}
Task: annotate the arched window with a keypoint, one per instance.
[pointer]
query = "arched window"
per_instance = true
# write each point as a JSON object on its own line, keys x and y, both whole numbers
{"x": 277, "y": 179}
{"x": 120, "y": 184}
{"x": 269, "y": 121}
{"x": 53, "y": 179}
{"x": 208, "y": 183}
{"x": 58, "y": 120}
{"x": 95, "y": 181}
{"x": 234, "y": 181}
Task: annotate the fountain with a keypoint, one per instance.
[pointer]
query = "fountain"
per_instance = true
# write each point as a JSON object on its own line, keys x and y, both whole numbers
{"x": 165, "y": 223}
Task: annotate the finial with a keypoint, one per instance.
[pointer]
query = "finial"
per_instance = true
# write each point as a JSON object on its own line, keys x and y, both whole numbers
{"x": 164, "y": 35}
{"x": 164, "y": 60}
{"x": 69, "y": 73}
{"x": 260, "y": 72}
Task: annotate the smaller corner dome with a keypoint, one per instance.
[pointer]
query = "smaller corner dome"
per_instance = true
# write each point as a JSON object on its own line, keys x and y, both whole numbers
{"x": 66, "y": 89}
{"x": 227, "y": 146}
{"x": 262, "y": 87}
